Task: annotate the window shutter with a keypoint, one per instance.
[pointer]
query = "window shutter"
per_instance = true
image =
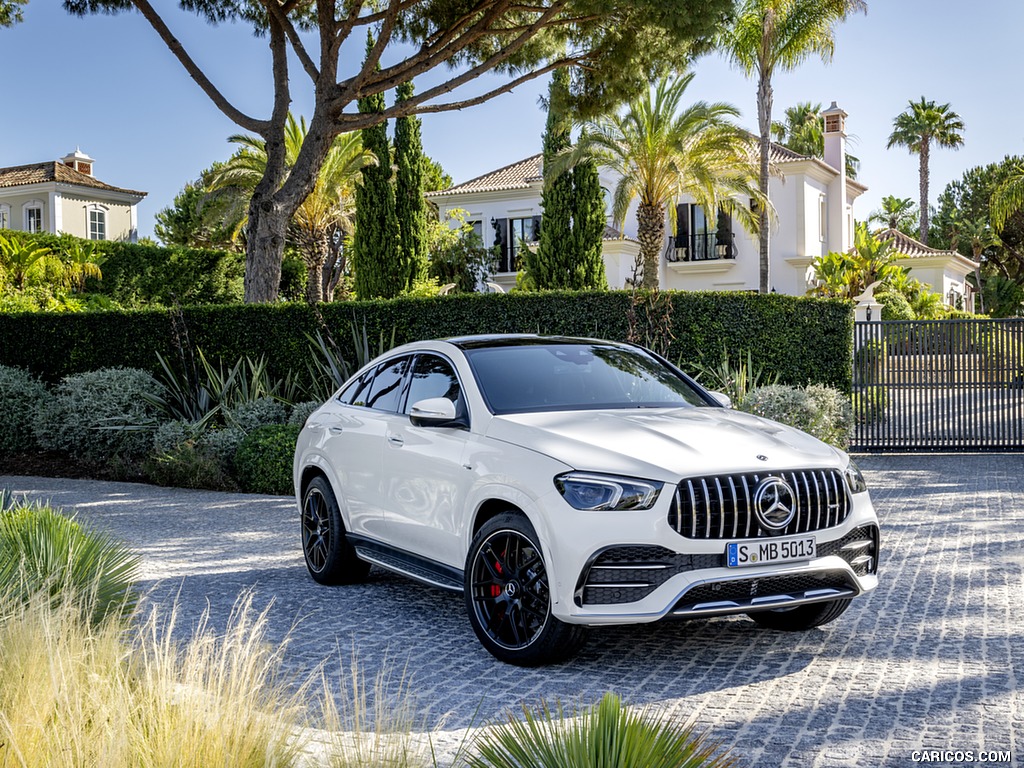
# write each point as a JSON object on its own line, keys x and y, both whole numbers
{"x": 502, "y": 244}
{"x": 682, "y": 225}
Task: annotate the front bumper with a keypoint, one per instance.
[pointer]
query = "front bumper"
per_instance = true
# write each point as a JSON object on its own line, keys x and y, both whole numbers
{"x": 633, "y": 567}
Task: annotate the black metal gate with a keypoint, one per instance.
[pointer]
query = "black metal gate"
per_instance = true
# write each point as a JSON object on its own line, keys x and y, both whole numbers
{"x": 938, "y": 385}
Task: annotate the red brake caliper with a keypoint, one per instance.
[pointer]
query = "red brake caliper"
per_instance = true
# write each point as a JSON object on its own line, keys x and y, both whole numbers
{"x": 496, "y": 588}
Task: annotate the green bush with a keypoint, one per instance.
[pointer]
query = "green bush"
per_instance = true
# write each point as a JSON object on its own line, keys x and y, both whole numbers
{"x": 870, "y": 362}
{"x": 264, "y": 459}
{"x": 302, "y": 411}
{"x": 44, "y": 552}
{"x": 188, "y": 464}
{"x": 21, "y": 395}
{"x": 818, "y": 410}
{"x": 86, "y": 408}
{"x": 247, "y": 416}
{"x": 803, "y": 340}
{"x": 895, "y": 306}
{"x": 869, "y": 405}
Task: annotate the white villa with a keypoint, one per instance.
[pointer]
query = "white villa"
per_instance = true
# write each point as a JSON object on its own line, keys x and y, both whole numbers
{"x": 813, "y": 199}
{"x": 65, "y": 197}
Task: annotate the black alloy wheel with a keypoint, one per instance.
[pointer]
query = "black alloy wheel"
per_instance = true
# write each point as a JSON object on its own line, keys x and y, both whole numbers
{"x": 508, "y": 599}
{"x": 330, "y": 559}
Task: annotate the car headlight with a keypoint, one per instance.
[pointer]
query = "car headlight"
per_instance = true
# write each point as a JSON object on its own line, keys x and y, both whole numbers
{"x": 854, "y": 478}
{"x": 601, "y": 492}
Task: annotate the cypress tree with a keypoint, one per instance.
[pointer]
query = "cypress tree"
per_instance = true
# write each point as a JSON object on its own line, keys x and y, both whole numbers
{"x": 409, "y": 203}
{"x": 546, "y": 267}
{"x": 573, "y": 218}
{"x": 588, "y": 227}
{"x": 375, "y": 245}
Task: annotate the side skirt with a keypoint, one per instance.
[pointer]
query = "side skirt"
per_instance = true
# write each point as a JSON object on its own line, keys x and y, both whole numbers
{"x": 407, "y": 564}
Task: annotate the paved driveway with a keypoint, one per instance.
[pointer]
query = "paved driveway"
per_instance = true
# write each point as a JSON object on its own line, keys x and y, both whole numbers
{"x": 933, "y": 660}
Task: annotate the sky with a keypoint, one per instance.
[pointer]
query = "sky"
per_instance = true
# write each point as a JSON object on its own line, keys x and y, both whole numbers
{"x": 108, "y": 85}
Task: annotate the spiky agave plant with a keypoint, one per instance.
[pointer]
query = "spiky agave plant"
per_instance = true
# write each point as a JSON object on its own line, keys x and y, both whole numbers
{"x": 605, "y": 735}
{"x": 43, "y": 551}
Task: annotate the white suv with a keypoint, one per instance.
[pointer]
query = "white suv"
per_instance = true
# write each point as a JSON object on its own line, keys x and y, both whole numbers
{"x": 562, "y": 483}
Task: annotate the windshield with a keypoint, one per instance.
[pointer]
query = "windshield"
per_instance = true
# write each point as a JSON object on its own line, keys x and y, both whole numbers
{"x": 556, "y": 377}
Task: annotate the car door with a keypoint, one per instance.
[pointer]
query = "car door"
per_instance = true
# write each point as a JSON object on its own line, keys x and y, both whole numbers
{"x": 427, "y": 482}
{"x": 355, "y": 429}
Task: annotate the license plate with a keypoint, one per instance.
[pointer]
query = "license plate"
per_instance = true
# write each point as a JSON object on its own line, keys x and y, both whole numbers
{"x": 741, "y": 554}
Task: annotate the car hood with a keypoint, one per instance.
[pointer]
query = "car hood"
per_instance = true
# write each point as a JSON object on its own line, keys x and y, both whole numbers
{"x": 664, "y": 443}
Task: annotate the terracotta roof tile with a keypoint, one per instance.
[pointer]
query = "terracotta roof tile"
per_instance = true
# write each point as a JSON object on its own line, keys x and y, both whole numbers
{"x": 518, "y": 175}
{"x": 907, "y": 246}
{"x": 39, "y": 173}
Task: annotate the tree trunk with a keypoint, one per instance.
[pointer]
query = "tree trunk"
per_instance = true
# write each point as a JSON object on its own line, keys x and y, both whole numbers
{"x": 651, "y": 234}
{"x": 923, "y": 183}
{"x": 315, "y": 255}
{"x": 764, "y": 124}
{"x": 264, "y": 249}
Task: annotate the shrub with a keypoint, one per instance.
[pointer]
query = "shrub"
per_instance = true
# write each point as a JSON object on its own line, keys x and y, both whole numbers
{"x": 188, "y": 465}
{"x": 869, "y": 405}
{"x": 870, "y": 362}
{"x": 606, "y": 735}
{"x": 302, "y": 411}
{"x": 895, "y": 306}
{"x": 42, "y": 552}
{"x": 264, "y": 459}
{"x": 247, "y": 416}
{"x": 772, "y": 326}
{"x": 86, "y": 410}
{"x": 817, "y": 410}
{"x": 21, "y": 395}
{"x": 734, "y": 379}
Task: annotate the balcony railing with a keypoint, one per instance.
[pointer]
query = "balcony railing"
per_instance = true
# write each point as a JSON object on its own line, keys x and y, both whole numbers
{"x": 705, "y": 246}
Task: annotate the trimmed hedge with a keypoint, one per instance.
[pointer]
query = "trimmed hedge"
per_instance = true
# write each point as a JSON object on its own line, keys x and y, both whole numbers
{"x": 264, "y": 459}
{"x": 804, "y": 340}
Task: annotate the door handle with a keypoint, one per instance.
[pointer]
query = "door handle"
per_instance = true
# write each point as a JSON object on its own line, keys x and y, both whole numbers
{"x": 396, "y": 440}
{"x": 335, "y": 429}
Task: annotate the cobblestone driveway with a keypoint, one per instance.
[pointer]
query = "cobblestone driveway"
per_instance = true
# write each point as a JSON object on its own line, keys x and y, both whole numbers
{"x": 931, "y": 661}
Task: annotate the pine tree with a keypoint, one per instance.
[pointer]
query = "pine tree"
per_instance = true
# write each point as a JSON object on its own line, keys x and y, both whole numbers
{"x": 573, "y": 220}
{"x": 409, "y": 203}
{"x": 375, "y": 247}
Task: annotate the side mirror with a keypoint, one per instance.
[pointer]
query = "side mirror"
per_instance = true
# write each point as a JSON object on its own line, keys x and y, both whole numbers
{"x": 723, "y": 399}
{"x": 434, "y": 412}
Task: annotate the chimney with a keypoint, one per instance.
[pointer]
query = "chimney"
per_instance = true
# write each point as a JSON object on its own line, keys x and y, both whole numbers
{"x": 840, "y": 238}
{"x": 79, "y": 161}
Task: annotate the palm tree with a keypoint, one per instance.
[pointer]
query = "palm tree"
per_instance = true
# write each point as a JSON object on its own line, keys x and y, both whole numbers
{"x": 327, "y": 209}
{"x": 923, "y": 123}
{"x": 803, "y": 131}
{"x": 896, "y": 213}
{"x": 1008, "y": 198}
{"x": 978, "y": 235}
{"x": 779, "y": 34}
{"x": 661, "y": 152}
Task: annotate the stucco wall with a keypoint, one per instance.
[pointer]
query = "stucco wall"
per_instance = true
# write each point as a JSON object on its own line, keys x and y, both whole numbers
{"x": 75, "y": 217}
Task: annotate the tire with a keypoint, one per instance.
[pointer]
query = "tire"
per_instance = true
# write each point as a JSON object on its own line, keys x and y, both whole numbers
{"x": 802, "y": 617}
{"x": 329, "y": 557}
{"x": 507, "y": 596}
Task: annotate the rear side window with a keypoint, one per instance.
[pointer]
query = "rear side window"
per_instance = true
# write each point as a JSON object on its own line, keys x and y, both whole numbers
{"x": 379, "y": 388}
{"x": 433, "y": 376}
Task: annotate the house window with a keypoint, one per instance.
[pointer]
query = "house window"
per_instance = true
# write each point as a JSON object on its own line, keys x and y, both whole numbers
{"x": 34, "y": 217}
{"x": 822, "y": 218}
{"x": 97, "y": 223}
{"x": 5, "y": 217}
{"x": 522, "y": 230}
{"x": 700, "y": 237}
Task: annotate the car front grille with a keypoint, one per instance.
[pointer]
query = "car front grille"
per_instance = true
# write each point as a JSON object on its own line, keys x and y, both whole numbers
{"x": 721, "y": 506}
